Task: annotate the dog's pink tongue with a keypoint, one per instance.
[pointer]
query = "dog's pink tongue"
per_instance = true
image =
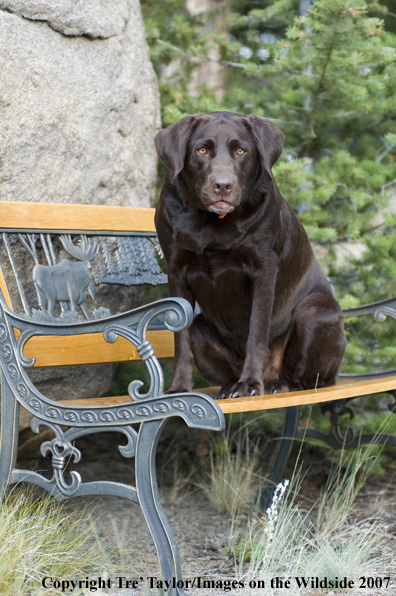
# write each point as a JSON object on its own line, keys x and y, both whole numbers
{"x": 222, "y": 215}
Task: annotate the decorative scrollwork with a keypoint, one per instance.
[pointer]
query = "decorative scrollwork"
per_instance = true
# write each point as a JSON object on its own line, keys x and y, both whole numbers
{"x": 381, "y": 314}
{"x": 153, "y": 405}
{"x": 89, "y": 416}
{"x": 53, "y": 413}
{"x": 7, "y": 353}
{"x": 124, "y": 414}
{"x": 36, "y": 404}
{"x": 133, "y": 390}
{"x": 338, "y": 409}
{"x": 12, "y": 369}
{"x": 61, "y": 451}
{"x": 143, "y": 411}
{"x": 70, "y": 416}
{"x": 180, "y": 405}
{"x": 392, "y": 407}
{"x": 199, "y": 412}
{"x": 132, "y": 325}
{"x": 23, "y": 338}
{"x": 146, "y": 352}
{"x": 380, "y": 310}
{"x": 22, "y": 390}
{"x": 161, "y": 407}
{"x": 107, "y": 416}
{"x": 66, "y": 437}
{"x": 173, "y": 319}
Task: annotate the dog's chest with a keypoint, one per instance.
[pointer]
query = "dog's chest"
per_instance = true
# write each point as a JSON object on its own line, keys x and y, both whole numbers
{"x": 216, "y": 267}
{"x": 220, "y": 281}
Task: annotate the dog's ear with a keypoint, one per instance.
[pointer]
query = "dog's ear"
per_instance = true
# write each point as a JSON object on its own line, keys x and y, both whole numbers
{"x": 269, "y": 140}
{"x": 171, "y": 144}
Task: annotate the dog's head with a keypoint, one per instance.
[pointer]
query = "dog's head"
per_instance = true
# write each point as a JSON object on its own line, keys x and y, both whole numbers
{"x": 219, "y": 155}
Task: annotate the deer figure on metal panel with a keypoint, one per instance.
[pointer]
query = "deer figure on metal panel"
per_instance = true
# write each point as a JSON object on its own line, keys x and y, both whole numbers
{"x": 68, "y": 281}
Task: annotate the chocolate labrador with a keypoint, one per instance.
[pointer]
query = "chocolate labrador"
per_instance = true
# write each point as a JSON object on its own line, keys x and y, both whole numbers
{"x": 269, "y": 322}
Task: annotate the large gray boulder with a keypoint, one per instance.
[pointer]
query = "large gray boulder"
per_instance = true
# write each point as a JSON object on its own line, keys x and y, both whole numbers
{"x": 79, "y": 107}
{"x": 79, "y": 103}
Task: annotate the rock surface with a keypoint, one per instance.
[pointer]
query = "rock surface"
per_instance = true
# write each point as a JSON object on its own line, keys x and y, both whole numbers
{"x": 79, "y": 107}
{"x": 78, "y": 103}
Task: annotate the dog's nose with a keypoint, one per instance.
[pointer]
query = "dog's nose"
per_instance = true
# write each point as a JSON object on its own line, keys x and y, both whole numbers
{"x": 222, "y": 185}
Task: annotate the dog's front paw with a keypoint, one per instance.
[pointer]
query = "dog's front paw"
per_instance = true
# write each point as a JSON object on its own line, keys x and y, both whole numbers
{"x": 178, "y": 389}
{"x": 225, "y": 390}
{"x": 276, "y": 387}
{"x": 246, "y": 388}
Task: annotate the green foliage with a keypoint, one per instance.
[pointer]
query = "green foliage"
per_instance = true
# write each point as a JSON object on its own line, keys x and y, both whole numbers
{"x": 327, "y": 79}
{"x": 176, "y": 44}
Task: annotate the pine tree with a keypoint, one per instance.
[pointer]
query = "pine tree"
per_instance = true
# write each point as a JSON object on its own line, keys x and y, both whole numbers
{"x": 327, "y": 79}
{"x": 330, "y": 85}
{"x": 177, "y": 46}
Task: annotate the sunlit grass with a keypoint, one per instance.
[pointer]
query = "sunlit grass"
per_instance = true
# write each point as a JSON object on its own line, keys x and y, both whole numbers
{"x": 290, "y": 541}
{"x": 230, "y": 481}
{"x": 38, "y": 539}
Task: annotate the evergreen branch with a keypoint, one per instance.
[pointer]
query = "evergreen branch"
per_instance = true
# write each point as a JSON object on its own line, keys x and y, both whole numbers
{"x": 202, "y": 56}
{"x": 377, "y": 122}
{"x": 324, "y": 70}
{"x": 381, "y": 157}
{"x": 299, "y": 73}
{"x": 386, "y": 185}
{"x": 283, "y": 121}
{"x": 344, "y": 239}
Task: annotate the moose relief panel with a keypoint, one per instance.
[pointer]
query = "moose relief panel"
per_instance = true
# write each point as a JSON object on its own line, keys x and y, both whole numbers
{"x": 69, "y": 278}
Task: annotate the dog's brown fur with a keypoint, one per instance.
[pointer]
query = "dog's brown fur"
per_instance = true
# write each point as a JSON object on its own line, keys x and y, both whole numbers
{"x": 269, "y": 321}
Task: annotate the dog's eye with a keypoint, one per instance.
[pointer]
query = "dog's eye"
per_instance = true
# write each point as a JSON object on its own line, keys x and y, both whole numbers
{"x": 240, "y": 151}
{"x": 202, "y": 151}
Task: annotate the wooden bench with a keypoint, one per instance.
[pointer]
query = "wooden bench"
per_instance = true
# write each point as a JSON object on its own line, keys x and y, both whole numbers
{"x": 48, "y": 319}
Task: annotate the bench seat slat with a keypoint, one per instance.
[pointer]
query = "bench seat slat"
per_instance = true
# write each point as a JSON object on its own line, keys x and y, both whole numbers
{"x": 343, "y": 390}
{"x": 92, "y": 348}
{"x": 68, "y": 217}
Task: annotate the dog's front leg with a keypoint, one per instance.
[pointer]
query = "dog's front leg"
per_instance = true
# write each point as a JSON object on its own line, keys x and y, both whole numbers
{"x": 183, "y": 362}
{"x": 263, "y": 291}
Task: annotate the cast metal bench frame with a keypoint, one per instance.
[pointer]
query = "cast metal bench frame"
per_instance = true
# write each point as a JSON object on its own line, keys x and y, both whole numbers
{"x": 143, "y": 333}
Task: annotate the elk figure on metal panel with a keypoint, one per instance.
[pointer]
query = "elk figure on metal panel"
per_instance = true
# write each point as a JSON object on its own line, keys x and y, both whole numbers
{"x": 68, "y": 281}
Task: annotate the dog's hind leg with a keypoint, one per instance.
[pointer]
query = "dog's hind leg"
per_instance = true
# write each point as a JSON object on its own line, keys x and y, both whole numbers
{"x": 214, "y": 360}
{"x": 274, "y": 370}
{"x": 314, "y": 353}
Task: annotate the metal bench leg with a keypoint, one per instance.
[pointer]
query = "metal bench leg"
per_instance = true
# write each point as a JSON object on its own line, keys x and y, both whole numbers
{"x": 289, "y": 434}
{"x": 147, "y": 489}
{"x": 9, "y": 436}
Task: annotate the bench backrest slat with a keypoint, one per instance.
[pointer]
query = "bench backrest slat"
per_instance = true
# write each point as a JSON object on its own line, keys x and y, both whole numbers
{"x": 67, "y": 217}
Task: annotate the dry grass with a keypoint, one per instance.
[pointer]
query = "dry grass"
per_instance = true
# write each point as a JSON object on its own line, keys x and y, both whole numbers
{"x": 289, "y": 541}
{"x": 344, "y": 483}
{"x": 38, "y": 539}
{"x": 231, "y": 483}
